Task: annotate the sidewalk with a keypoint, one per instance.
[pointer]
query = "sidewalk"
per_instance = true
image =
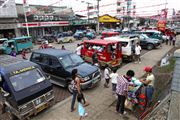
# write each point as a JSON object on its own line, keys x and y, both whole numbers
{"x": 101, "y": 98}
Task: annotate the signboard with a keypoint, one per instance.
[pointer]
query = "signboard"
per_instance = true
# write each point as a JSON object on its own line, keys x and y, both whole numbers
{"x": 161, "y": 25}
{"x": 8, "y": 9}
{"x": 107, "y": 18}
{"x": 44, "y": 24}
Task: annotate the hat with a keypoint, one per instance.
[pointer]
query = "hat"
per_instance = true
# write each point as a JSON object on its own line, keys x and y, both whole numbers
{"x": 148, "y": 69}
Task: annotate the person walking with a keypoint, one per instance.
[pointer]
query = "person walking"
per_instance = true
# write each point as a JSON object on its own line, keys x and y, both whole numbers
{"x": 13, "y": 52}
{"x": 114, "y": 77}
{"x": 95, "y": 58}
{"x": 170, "y": 39}
{"x": 23, "y": 54}
{"x": 76, "y": 89}
{"x": 122, "y": 90}
{"x": 174, "y": 40}
{"x": 81, "y": 109}
{"x": 63, "y": 48}
{"x": 78, "y": 50}
{"x": 138, "y": 53}
{"x": 149, "y": 83}
{"x": 106, "y": 76}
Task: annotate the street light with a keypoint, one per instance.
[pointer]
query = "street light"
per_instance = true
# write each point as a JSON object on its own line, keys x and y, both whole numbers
{"x": 98, "y": 16}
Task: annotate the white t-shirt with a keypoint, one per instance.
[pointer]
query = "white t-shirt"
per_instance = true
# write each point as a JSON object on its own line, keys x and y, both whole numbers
{"x": 78, "y": 50}
{"x": 138, "y": 50}
{"x": 114, "y": 77}
{"x": 106, "y": 73}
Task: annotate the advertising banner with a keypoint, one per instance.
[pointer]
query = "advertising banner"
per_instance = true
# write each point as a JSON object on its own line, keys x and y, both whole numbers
{"x": 161, "y": 25}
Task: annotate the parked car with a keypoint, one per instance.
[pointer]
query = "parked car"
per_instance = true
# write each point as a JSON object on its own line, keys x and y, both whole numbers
{"x": 153, "y": 34}
{"x": 128, "y": 43}
{"x": 59, "y": 65}
{"x": 67, "y": 39}
{"x": 78, "y": 35}
{"x": 26, "y": 89}
{"x": 149, "y": 43}
{"x": 2, "y": 40}
{"x": 18, "y": 44}
{"x": 109, "y": 34}
{"x": 177, "y": 30}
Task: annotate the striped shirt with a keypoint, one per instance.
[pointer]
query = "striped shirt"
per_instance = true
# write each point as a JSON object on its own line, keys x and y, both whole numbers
{"x": 122, "y": 85}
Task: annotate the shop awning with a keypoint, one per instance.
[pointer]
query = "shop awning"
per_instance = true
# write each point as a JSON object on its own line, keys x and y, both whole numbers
{"x": 108, "y": 19}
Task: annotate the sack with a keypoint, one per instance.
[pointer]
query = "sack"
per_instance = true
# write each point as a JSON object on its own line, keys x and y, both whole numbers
{"x": 128, "y": 104}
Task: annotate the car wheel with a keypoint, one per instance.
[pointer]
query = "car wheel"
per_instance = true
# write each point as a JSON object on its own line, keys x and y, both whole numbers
{"x": 60, "y": 42}
{"x": 70, "y": 87}
{"x": 28, "y": 50}
{"x": 150, "y": 46}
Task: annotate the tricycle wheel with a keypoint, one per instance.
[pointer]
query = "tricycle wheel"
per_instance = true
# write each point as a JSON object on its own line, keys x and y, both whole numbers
{"x": 70, "y": 87}
{"x": 12, "y": 116}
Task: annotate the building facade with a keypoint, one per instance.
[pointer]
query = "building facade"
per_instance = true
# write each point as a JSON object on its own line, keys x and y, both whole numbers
{"x": 8, "y": 16}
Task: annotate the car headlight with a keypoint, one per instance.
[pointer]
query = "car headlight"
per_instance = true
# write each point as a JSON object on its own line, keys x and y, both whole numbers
{"x": 86, "y": 78}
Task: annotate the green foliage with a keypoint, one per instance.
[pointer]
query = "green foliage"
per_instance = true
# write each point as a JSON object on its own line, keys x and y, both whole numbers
{"x": 169, "y": 68}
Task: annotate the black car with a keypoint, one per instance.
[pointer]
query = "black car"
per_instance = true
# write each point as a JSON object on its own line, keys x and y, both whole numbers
{"x": 149, "y": 43}
{"x": 59, "y": 64}
{"x": 26, "y": 89}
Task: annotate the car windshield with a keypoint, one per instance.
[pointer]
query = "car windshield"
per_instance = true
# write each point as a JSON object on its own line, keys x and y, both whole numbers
{"x": 144, "y": 36}
{"x": 71, "y": 60}
{"x": 26, "y": 79}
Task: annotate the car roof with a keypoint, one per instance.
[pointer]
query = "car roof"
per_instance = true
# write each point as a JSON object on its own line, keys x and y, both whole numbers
{"x": 118, "y": 38}
{"x": 9, "y": 64}
{"x": 153, "y": 31}
{"x": 100, "y": 41}
{"x": 23, "y": 37}
{"x": 3, "y": 39}
{"x": 53, "y": 52}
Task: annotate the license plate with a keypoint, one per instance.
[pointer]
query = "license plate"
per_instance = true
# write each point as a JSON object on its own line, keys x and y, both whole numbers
{"x": 42, "y": 108}
{"x": 95, "y": 81}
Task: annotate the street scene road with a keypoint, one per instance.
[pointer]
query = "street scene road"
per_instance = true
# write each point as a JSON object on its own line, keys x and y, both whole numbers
{"x": 89, "y": 60}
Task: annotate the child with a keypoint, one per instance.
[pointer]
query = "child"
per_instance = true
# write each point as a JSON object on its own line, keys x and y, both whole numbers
{"x": 106, "y": 76}
{"x": 114, "y": 77}
{"x": 13, "y": 52}
{"x": 81, "y": 109}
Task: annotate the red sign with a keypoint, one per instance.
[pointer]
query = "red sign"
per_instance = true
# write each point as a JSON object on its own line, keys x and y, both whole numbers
{"x": 44, "y": 24}
{"x": 161, "y": 25}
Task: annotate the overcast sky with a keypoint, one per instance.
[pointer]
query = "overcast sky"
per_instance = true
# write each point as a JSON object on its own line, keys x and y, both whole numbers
{"x": 77, "y": 5}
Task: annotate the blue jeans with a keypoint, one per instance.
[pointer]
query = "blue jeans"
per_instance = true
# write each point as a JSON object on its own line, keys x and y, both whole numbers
{"x": 149, "y": 94}
{"x": 74, "y": 95}
{"x": 114, "y": 87}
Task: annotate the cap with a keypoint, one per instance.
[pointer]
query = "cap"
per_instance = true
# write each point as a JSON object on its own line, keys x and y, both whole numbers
{"x": 148, "y": 69}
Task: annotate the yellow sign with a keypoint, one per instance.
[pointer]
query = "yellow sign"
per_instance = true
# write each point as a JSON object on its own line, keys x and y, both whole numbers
{"x": 107, "y": 18}
{"x": 23, "y": 70}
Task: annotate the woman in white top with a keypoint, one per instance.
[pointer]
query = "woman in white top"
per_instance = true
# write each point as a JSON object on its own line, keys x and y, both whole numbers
{"x": 138, "y": 53}
{"x": 114, "y": 77}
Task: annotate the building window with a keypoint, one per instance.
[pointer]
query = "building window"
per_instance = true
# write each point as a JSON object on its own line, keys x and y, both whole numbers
{"x": 118, "y": 3}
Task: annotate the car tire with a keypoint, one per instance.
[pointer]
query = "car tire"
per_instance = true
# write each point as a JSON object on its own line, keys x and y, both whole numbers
{"x": 29, "y": 50}
{"x": 70, "y": 41}
{"x": 60, "y": 42}
{"x": 150, "y": 46}
{"x": 69, "y": 86}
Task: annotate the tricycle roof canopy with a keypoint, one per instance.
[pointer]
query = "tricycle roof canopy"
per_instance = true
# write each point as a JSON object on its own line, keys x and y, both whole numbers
{"x": 101, "y": 42}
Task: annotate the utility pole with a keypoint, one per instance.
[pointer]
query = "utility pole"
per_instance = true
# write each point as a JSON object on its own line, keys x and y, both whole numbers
{"x": 98, "y": 16}
{"x": 25, "y": 16}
